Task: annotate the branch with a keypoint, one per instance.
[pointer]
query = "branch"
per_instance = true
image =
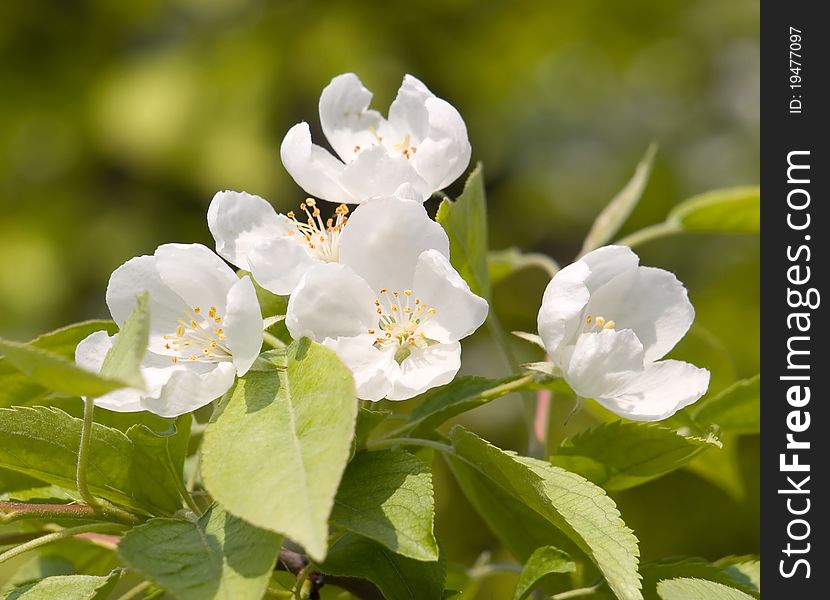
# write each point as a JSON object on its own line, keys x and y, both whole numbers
{"x": 16, "y": 511}
{"x": 294, "y": 563}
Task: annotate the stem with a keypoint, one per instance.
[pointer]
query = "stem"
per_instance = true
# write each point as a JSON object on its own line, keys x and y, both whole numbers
{"x": 54, "y": 537}
{"x": 18, "y": 538}
{"x": 542, "y": 418}
{"x": 16, "y": 511}
{"x": 390, "y": 442}
{"x": 136, "y": 591}
{"x": 648, "y": 234}
{"x": 83, "y": 453}
{"x": 577, "y": 593}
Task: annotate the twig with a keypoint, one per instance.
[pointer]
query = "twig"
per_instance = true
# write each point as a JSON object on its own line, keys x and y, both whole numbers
{"x": 83, "y": 453}
{"x": 54, "y": 537}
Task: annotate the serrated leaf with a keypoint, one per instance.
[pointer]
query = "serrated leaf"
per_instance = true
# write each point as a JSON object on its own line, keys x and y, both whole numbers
{"x": 218, "y": 556}
{"x": 730, "y": 210}
{"x": 123, "y": 360}
{"x": 691, "y": 567}
{"x": 503, "y": 263}
{"x": 624, "y": 454}
{"x": 697, "y": 589}
{"x": 463, "y": 394}
{"x": 386, "y": 496}
{"x": 545, "y": 561}
{"x": 123, "y": 468}
{"x": 275, "y": 454}
{"x": 616, "y": 212}
{"x": 397, "y": 577}
{"x": 572, "y": 504}
{"x": 66, "y": 587}
{"x": 737, "y": 409}
{"x": 367, "y": 420}
{"x": 744, "y": 570}
{"x": 465, "y": 221}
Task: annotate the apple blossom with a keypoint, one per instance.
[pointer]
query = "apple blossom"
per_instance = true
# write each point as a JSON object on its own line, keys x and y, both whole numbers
{"x": 205, "y": 328}
{"x": 606, "y": 321}
{"x": 395, "y": 322}
{"x": 423, "y": 143}
{"x": 278, "y": 249}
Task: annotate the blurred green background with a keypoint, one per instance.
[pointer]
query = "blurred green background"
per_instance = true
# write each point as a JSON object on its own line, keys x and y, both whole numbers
{"x": 120, "y": 120}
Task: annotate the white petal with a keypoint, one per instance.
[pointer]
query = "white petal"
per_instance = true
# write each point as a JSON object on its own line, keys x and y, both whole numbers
{"x": 658, "y": 392}
{"x": 375, "y": 173}
{"x": 331, "y": 301}
{"x": 345, "y": 117}
{"x": 238, "y": 222}
{"x": 559, "y": 319}
{"x": 384, "y": 238}
{"x": 242, "y": 325}
{"x": 408, "y": 112}
{"x": 458, "y": 311}
{"x": 312, "y": 167}
{"x": 278, "y": 264}
{"x": 196, "y": 274}
{"x": 371, "y": 367}
{"x": 602, "y": 360}
{"x": 189, "y": 389}
{"x": 443, "y": 156}
{"x": 426, "y": 368}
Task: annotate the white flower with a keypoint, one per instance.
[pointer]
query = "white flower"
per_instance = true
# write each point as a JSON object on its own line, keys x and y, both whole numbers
{"x": 278, "y": 249}
{"x": 205, "y": 327}
{"x": 423, "y": 143}
{"x": 606, "y": 321}
{"x": 395, "y": 322}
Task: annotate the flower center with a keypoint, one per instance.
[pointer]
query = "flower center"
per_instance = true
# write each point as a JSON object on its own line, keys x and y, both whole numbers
{"x": 400, "y": 316}
{"x": 598, "y": 323}
{"x": 320, "y": 239}
{"x": 405, "y": 147}
{"x": 198, "y": 337}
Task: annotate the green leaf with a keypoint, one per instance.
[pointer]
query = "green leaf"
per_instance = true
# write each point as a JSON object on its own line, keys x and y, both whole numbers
{"x": 66, "y": 587}
{"x": 397, "y": 577}
{"x": 744, "y": 570}
{"x": 624, "y": 454}
{"x": 698, "y": 568}
{"x": 501, "y": 264}
{"x": 545, "y": 561}
{"x": 123, "y": 468}
{"x": 276, "y": 453}
{"x": 737, "y": 409}
{"x": 696, "y": 589}
{"x": 465, "y": 222}
{"x": 616, "y": 213}
{"x": 367, "y": 420}
{"x": 123, "y": 360}
{"x": 731, "y": 210}
{"x": 463, "y": 394}
{"x": 387, "y": 496}
{"x": 218, "y": 556}
{"x": 572, "y": 504}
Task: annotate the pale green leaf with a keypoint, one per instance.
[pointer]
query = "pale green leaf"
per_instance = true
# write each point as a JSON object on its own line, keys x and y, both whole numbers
{"x": 691, "y": 567}
{"x": 625, "y": 454}
{"x": 465, "y": 221}
{"x": 616, "y": 213}
{"x": 66, "y": 587}
{"x": 731, "y": 210}
{"x": 697, "y": 589}
{"x": 744, "y": 570}
{"x": 275, "y": 454}
{"x": 397, "y": 577}
{"x": 572, "y": 504}
{"x": 736, "y": 409}
{"x": 545, "y": 561}
{"x": 123, "y": 360}
{"x": 387, "y": 496}
{"x": 218, "y": 556}
{"x": 530, "y": 337}
{"x": 503, "y": 263}
{"x": 124, "y": 468}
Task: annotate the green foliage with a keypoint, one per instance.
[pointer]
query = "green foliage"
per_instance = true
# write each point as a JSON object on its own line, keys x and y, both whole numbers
{"x": 66, "y": 587}
{"x": 731, "y": 210}
{"x": 465, "y": 222}
{"x": 695, "y": 589}
{"x": 736, "y": 409}
{"x": 572, "y": 504}
{"x": 218, "y": 556}
{"x": 396, "y": 576}
{"x": 275, "y": 454}
{"x": 387, "y": 496}
{"x": 731, "y": 575}
{"x": 501, "y": 264}
{"x": 624, "y": 454}
{"x": 545, "y": 561}
{"x": 131, "y": 469}
{"x": 123, "y": 360}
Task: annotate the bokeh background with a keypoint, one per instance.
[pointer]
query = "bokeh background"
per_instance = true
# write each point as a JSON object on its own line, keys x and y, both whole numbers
{"x": 120, "y": 120}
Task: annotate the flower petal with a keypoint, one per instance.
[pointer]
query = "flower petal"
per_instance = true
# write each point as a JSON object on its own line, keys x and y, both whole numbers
{"x": 190, "y": 388}
{"x": 408, "y": 112}
{"x": 371, "y": 367}
{"x": 426, "y": 368}
{"x": 658, "y": 392}
{"x": 602, "y": 360}
{"x": 384, "y": 238}
{"x": 375, "y": 173}
{"x": 312, "y": 167}
{"x": 89, "y": 355}
{"x": 444, "y": 155}
{"x": 279, "y": 263}
{"x": 458, "y": 311}
{"x": 196, "y": 274}
{"x": 238, "y": 222}
{"x": 243, "y": 325}
{"x": 331, "y": 301}
{"x": 345, "y": 117}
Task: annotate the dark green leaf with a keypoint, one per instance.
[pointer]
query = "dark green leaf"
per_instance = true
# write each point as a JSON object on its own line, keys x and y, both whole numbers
{"x": 736, "y": 409}
{"x": 545, "y": 561}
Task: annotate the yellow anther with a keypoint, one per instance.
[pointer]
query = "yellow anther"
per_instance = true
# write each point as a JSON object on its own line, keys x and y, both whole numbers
{"x": 408, "y": 292}
{"x": 310, "y": 201}
{"x": 609, "y": 325}
{"x": 394, "y": 308}
{"x": 291, "y": 214}
{"x": 383, "y": 290}
{"x": 206, "y": 351}
{"x": 431, "y": 311}
{"x": 600, "y": 322}
{"x": 371, "y": 332}
{"x": 589, "y": 319}
{"x": 180, "y": 330}
{"x": 175, "y": 360}
{"x": 193, "y": 357}
{"x": 197, "y": 309}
